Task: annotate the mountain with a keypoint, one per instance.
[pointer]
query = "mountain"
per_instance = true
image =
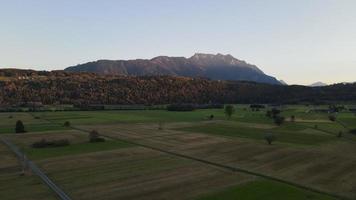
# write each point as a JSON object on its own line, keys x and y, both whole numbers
{"x": 283, "y": 82}
{"x": 318, "y": 84}
{"x": 215, "y": 67}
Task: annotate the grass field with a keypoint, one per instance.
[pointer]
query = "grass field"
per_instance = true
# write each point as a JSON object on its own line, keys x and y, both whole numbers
{"x": 136, "y": 173}
{"x": 139, "y": 161}
{"x": 13, "y": 186}
{"x": 79, "y": 144}
{"x": 263, "y": 189}
{"x": 289, "y": 133}
{"x": 31, "y": 123}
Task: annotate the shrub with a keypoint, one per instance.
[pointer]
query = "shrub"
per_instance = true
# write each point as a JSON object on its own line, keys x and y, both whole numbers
{"x": 60, "y": 143}
{"x": 339, "y": 135}
{"x": 19, "y": 128}
{"x": 180, "y": 107}
{"x": 269, "y": 113}
{"x": 292, "y": 118}
{"x": 273, "y": 113}
{"x": 160, "y": 125}
{"x": 257, "y": 106}
{"x": 10, "y": 117}
{"x": 211, "y": 117}
{"x": 332, "y": 118}
{"x": 43, "y": 143}
{"x": 353, "y": 131}
{"x": 66, "y": 124}
{"x": 94, "y": 137}
{"x": 269, "y": 137}
{"x": 229, "y": 110}
{"x": 99, "y": 139}
{"x": 279, "y": 120}
{"x": 40, "y": 144}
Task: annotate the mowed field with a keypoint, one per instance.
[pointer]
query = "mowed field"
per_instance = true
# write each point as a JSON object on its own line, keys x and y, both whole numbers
{"x": 188, "y": 156}
{"x": 13, "y": 185}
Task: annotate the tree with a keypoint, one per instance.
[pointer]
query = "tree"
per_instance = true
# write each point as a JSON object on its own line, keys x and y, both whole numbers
{"x": 279, "y": 120}
{"x": 211, "y": 117}
{"x": 66, "y": 124}
{"x": 95, "y": 137}
{"x": 275, "y": 112}
{"x": 292, "y": 118}
{"x": 20, "y": 128}
{"x": 229, "y": 110}
{"x": 269, "y": 137}
{"x": 269, "y": 113}
{"x": 160, "y": 125}
{"x": 339, "y": 135}
{"x": 332, "y": 118}
{"x": 353, "y": 131}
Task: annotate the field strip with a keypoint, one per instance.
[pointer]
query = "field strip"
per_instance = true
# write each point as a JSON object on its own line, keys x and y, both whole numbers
{"x": 329, "y": 132}
{"x": 62, "y": 195}
{"x": 226, "y": 167}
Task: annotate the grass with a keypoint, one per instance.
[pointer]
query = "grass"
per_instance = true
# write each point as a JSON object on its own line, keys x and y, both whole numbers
{"x": 135, "y": 173}
{"x": 34, "y": 128}
{"x": 289, "y": 133}
{"x": 139, "y": 116}
{"x": 31, "y": 123}
{"x": 266, "y": 190}
{"x": 316, "y": 157}
{"x": 74, "y": 149}
{"x": 13, "y": 186}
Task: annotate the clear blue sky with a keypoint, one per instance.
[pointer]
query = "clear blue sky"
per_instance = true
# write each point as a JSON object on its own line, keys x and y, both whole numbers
{"x": 299, "y": 41}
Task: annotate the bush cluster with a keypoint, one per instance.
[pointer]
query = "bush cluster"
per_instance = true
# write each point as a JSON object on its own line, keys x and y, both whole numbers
{"x": 54, "y": 143}
{"x": 257, "y": 106}
{"x": 353, "y": 131}
{"x": 180, "y": 107}
{"x": 95, "y": 137}
{"x": 275, "y": 115}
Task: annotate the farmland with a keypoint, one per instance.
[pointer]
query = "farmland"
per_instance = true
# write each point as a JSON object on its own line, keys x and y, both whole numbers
{"x": 157, "y": 154}
{"x": 15, "y": 186}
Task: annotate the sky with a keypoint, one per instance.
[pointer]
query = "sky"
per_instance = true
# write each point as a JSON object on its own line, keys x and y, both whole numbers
{"x": 298, "y": 41}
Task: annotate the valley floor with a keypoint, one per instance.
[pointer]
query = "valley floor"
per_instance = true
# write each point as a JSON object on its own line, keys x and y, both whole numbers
{"x": 184, "y": 155}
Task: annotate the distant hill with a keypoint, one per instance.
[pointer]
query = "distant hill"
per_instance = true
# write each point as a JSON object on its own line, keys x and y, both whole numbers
{"x": 318, "y": 84}
{"x": 215, "y": 67}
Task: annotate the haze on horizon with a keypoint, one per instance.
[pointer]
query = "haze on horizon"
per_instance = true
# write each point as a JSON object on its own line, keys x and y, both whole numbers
{"x": 300, "y": 42}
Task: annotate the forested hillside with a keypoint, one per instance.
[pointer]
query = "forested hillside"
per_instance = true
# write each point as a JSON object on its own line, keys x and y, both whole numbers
{"x": 59, "y": 87}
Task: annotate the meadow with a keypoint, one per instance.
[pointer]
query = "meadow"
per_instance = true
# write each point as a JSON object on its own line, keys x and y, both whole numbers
{"x": 158, "y": 154}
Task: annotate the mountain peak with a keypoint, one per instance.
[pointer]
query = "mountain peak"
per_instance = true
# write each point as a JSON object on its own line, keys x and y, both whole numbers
{"x": 211, "y": 56}
{"x": 318, "y": 84}
{"x": 213, "y": 66}
{"x": 283, "y": 82}
{"x": 215, "y": 59}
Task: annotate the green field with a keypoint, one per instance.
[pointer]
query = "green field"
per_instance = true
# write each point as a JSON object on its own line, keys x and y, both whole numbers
{"x": 289, "y": 133}
{"x": 31, "y": 123}
{"x": 141, "y": 159}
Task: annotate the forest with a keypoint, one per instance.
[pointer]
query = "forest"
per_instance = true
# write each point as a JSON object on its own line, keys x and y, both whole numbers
{"x": 80, "y": 89}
